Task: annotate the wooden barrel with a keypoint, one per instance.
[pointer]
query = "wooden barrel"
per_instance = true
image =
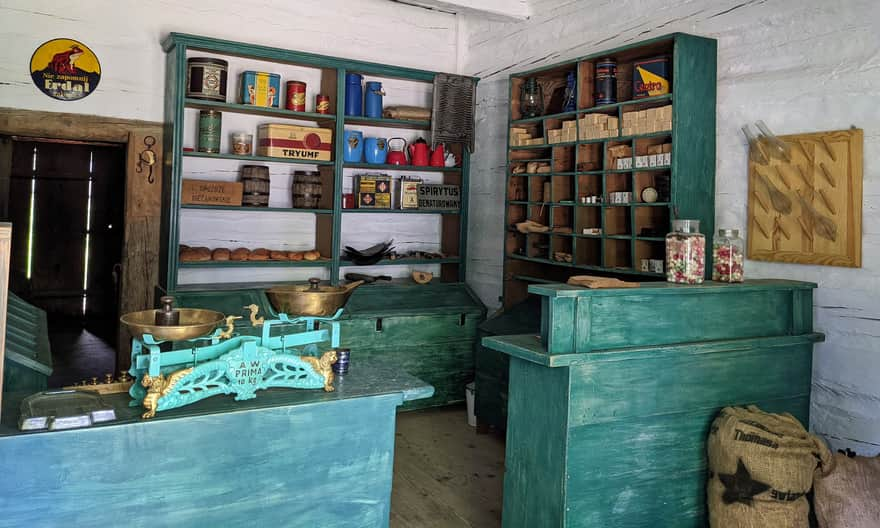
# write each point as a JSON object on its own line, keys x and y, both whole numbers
{"x": 255, "y": 180}
{"x": 307, "y": 189}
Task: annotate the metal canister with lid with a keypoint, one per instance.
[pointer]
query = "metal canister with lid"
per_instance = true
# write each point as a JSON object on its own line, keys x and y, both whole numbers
{"x": 209, "y": 131}
{"x": 206, "y": 78}
{"x": 606, "y": 81}
{"x": 296, "y": 96}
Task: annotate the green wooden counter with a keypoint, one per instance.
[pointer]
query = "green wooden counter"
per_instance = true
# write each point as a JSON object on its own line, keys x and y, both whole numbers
{"x": 610, "y": 406}
{"x": 427, "y": 330}
{"x": 292, "y": 458}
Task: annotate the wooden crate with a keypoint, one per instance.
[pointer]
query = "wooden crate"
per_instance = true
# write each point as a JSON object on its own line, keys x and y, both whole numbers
{"x": 207, "y": 192}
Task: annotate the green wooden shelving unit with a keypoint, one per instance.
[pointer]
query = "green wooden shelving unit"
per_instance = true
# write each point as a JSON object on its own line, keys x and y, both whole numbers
{"x": 633, "y": 231}
{"x": 329, "y": 216}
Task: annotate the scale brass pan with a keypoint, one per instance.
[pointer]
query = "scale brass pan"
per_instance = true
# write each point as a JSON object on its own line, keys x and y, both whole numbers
{"x": 311, "y": 300}
{"x": 194, "y": 322}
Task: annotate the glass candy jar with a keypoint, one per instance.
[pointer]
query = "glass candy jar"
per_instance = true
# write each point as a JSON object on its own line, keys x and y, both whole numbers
{"x": 727, "y": 256}
{"x": 685, "y": 253}
{"x": 531, "y": 102}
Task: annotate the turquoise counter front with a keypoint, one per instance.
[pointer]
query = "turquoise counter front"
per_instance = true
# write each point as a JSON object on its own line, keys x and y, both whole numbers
{"x": 288, "y": 458}
{"x": 609, "y": 408}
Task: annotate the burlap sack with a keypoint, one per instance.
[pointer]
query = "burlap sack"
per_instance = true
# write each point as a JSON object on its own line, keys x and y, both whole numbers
{"x": 847, "y": 492}
{"x": 760, "y": 469}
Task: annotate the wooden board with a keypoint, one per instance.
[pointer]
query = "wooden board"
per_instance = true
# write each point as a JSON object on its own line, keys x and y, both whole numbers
{"x": 5, "y": 242}
{"x": 826, "y": 170}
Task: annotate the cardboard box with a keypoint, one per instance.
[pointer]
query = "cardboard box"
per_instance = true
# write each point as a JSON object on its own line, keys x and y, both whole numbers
{"x": 294, "y": 142}
{"x": 207, "y": 192}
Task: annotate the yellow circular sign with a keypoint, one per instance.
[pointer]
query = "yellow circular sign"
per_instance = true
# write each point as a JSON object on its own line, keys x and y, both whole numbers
{"x": 65, "y": 69}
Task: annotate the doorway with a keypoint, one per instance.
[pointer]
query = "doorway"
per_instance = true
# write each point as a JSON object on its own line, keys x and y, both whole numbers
{"x": 66, "y": 201}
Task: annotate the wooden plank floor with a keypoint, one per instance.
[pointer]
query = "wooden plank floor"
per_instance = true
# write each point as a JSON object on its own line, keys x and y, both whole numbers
{"x": 445, "y": 474}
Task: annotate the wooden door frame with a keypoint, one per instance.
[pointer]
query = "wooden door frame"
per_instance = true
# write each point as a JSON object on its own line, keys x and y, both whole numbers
{"x": 143, "y": 200}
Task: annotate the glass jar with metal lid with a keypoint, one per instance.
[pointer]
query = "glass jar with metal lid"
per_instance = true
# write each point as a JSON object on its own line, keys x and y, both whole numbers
{"x": 685, "y": 253}
{"x": 728, "y": 256}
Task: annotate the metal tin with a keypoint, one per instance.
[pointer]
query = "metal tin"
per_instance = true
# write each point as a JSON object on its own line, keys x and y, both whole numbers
{"x": 260, "y": 88}
{"x": 322, "y": 104}
{"x": 210, "y": 122}
{"x": 606, "y": 81}
{"x": 651, "y": 77}
{"x": 206, "y": 78}
{"x": 296, "y": 96}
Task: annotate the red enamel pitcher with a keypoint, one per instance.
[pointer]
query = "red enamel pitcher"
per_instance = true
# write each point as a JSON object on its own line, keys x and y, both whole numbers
{"x": 418, "y": 153}
{"x": 438, "y": 157}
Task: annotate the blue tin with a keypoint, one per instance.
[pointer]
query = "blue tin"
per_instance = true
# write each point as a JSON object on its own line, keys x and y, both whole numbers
{"x": 375, "y": 150}
{"x": 342, "y": 360}
{"x": 354, "y": 94}
{"x": 260, "y": 89}
{"x": 353, "y": 149}
{"x": 373, "y": 99}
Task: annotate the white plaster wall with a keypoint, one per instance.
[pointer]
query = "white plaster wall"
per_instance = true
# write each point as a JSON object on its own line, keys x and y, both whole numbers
{"x": 126, "y": 34}
{"x": 801, "y": 66}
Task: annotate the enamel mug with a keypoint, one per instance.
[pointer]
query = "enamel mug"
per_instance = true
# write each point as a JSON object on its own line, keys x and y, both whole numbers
{"x": 375, "y": 150}
{"x": 353, "y": 152}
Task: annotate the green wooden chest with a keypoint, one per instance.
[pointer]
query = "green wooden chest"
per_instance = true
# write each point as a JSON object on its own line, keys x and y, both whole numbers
{"x": 429, "y": 331}
{"x": 610, "y": 406}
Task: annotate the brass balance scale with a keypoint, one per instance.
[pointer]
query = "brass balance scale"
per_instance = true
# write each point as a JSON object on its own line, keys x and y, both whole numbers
{"x": 180, "y": 356}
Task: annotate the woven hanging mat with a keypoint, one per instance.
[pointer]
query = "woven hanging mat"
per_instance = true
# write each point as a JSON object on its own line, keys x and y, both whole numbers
{"x": 453, "y": 115}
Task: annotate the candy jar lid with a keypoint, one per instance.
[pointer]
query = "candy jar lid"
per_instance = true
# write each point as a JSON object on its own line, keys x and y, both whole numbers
{"x": 686, "y": 226}
{"x": 729, "y": 233}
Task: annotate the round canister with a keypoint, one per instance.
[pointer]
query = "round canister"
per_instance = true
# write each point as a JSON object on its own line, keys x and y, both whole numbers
{"x": 255, "y": 185}
{"x": 606, "y": 81}
{"x": 373, "y": 99}
{"x": 209, "y": 131}
{"x": 354, "y": 94}
{"x": 206, "y": 78}
{"x": 307, "y": 189}
{"x": 322, "y": 104}
{"x": 296, "y": 96}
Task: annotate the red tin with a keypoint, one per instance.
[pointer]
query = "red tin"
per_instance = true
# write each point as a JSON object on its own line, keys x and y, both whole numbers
{"x": 296, "y": 96}
{"x": 322, "y": 104}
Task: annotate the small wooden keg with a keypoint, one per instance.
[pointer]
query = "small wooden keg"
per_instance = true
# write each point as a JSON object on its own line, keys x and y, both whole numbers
{"x": 255, "y": 181}
{"x": 307, "y": 189}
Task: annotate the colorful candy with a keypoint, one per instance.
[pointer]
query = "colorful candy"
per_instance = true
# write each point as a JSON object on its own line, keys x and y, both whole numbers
{"x": 685, "y": 253}
{"x": 727, "y": 256}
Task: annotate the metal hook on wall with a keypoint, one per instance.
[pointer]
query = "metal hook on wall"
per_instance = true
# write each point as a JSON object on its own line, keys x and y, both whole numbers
{"x": 147, "y": 158}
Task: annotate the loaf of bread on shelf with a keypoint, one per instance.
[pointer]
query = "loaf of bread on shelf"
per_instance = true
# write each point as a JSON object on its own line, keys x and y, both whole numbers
{"x": 278, "y": 255}
{"x": 221, "y": 254}
{"x": 259, "y": 254}
{"x": 240, "y": 254}
{"x": 312, "y": 255}
{"x": 195, "y": 254}
{"x": 295, "y": 255}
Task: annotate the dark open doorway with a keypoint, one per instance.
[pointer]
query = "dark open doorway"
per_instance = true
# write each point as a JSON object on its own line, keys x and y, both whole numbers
{"x": 66, "y": 201}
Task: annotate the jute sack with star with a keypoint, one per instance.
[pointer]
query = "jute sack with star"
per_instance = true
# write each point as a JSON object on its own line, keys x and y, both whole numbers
{"x": 760, "y": 469}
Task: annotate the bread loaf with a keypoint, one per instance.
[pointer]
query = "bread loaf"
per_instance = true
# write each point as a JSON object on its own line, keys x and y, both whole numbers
{"x": 221, "y": 254}
{"x": 259, "y": 254}
{"x": 311, "y": 255}
{"x": 295, "y": 255}
{"x": 240, "y": 254}
{"x": 196, "y": 254}
{"x": 278, "y": 255}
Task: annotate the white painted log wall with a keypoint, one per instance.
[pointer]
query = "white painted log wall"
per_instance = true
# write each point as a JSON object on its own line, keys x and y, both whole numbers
{"x": 801, "y": 66}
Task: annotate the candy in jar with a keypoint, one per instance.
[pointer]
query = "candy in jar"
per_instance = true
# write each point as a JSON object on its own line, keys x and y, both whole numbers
{"x": 727, "y": 256}
{"x": 685, "y": 253}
